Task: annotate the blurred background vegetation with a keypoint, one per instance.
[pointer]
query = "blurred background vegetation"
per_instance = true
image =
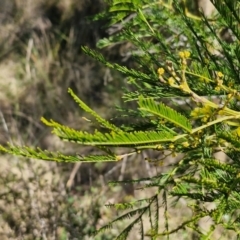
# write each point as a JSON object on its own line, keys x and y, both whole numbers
{"x": 40, "y": 57}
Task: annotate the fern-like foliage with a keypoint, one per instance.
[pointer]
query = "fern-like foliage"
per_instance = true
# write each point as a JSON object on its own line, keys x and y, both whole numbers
{"x": 128, "y": 139}
{"x": 147, "y": 104}
{"x": 185, "y": 80}
{"x": 56, "y": 156}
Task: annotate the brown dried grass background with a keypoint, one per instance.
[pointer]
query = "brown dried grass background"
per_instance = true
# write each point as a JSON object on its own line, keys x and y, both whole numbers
{"x": 40, "y": 57}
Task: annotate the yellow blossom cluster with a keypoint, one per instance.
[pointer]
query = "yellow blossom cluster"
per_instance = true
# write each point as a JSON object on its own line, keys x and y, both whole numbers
{"x": 184, "y": 54}
{"x": 174, "y": 80}
{"x": 219, "y": 81}
{"x": 204, "y": 112}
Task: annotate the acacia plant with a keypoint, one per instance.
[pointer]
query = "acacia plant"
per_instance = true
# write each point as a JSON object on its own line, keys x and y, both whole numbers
{"x": 186, "y": 84}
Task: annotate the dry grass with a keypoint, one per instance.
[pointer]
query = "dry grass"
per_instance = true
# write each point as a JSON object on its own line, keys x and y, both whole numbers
{"x": 40, "y": 58}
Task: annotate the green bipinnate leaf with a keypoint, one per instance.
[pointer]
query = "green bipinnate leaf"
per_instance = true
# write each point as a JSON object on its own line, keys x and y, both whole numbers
{"x": 165, "y": 112}
{"x": 55, "y": 156}
{"x": 124, "y": 139}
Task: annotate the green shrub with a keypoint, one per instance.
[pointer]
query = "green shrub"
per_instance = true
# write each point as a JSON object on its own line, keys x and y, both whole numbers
{"x": 185, "y": 80}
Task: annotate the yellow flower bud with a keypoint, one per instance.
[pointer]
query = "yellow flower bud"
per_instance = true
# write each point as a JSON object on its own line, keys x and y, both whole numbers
{"x": 159, "y": 147}
{"x": 185, "y": 144}
{"x": 220, "y": 74}
{"x": 171, "y": 81}
{"x": 181, "y": 54}
{"x": 171, "y": 146}
{"x": 187, "y": 54}
{"x": 184, "y": 54}
{"x": 204, "y": 119}
{"x": 195, "y": 112}
{"x": 217, "y": 88}
{"x": 161, "y": 71}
